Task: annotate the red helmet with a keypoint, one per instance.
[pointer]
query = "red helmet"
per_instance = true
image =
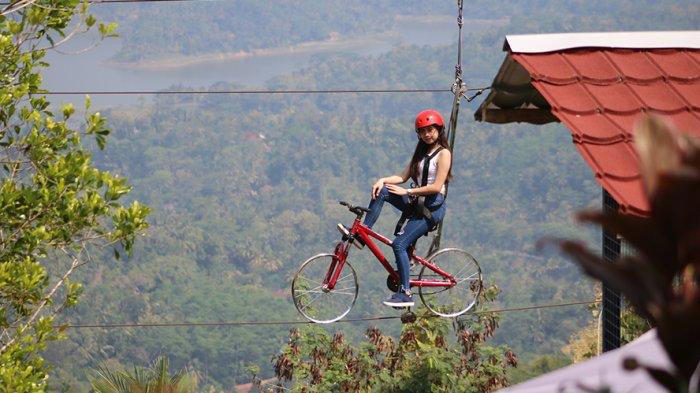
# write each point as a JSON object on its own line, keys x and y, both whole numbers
{"x": 429, "y": 117}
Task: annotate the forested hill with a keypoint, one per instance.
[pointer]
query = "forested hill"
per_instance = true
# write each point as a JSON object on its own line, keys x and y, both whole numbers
{"x": 152, "y": 31}
{"x": 167, "y": 30}
{"x": 244, "y": 188}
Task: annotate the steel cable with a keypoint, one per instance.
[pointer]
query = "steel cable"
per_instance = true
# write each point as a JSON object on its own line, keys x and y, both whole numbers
{"x": 248, "y": 323}
{"x": 133, "y": 1}
{"x": 246, "y": 91}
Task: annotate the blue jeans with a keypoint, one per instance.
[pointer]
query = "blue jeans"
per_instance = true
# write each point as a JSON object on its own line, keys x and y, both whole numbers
{"x": 414, "y": 228}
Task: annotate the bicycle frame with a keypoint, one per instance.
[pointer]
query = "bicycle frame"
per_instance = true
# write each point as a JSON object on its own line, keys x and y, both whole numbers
{"x": 361, "y": 231}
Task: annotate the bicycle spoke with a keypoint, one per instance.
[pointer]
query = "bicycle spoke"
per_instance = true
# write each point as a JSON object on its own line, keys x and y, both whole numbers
{"x": 344, "y": 277}
{"x": 342, "y": 289}
{"x": 312, "y": 301}
{"x": 335, "y": 303}
{"x": 343, "y": 293}
{"x": 310, "y": 290}
{"x": 463, "y": 269}
{"x": 317, "y": 303}
{"x": 320, "y": 284}
{"x": 469, "y": 278}
{"x": 315, "y": 289}
{"x": 461, "y": 295}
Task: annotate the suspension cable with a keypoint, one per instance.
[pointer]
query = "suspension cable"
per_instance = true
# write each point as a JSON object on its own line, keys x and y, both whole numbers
{"x": 128, "y": 1}
{"x": 253, "y": 91}
{"x": 458, "y": 88}
{"x": 249, "y": 323}
{"x": 240, "y": 91}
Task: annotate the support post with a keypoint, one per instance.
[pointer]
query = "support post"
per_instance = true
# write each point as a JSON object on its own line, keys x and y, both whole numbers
{"x": 611, "y": 299}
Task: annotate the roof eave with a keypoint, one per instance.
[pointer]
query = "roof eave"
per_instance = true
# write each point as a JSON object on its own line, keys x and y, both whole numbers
{"x": 513, "y": 98}
{"x": 542, "y": 43}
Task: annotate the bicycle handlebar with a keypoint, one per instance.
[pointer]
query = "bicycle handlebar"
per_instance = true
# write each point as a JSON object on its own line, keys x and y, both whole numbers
{"x": 358, "y": 210}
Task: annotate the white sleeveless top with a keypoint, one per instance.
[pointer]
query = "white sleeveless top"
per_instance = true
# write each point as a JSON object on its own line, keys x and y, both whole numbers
{"x": 432, "y": 172}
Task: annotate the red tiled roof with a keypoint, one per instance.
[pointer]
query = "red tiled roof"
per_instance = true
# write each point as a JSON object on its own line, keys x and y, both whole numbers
{"x": 600, "y": 93}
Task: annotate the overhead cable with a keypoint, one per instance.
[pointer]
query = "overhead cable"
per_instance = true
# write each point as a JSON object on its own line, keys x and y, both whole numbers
{"x": 183, "y": 92}
{"x": 145, "y": 1}
{"x": 248, "y": 323}
{"x": 132, "y": 1}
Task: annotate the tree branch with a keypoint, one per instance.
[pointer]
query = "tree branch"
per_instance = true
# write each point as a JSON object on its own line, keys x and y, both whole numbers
{"x": 16, "y": 6}
{"x": 74, "y": 264}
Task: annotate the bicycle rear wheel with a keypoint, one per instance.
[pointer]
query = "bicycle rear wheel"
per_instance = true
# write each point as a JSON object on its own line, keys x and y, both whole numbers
{"x": 317, "y": 303}
{"x": 459, "y": 298}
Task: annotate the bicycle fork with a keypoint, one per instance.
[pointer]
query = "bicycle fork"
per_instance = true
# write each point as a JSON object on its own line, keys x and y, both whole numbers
{"x": 339, "y": 256}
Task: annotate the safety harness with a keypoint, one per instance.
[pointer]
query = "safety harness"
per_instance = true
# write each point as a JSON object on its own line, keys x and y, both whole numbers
{"x": 417, "y": 206}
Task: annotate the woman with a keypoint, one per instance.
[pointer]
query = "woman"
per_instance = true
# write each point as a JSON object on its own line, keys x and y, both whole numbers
{"x": 432, "y": 146}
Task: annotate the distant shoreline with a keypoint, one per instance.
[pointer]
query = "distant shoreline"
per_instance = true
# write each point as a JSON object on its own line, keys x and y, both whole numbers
{"x": 333, "y": 43}
{"x": 305, "y": 47}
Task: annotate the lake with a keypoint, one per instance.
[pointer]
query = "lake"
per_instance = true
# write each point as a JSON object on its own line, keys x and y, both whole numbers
{"x": 90, "y": 71}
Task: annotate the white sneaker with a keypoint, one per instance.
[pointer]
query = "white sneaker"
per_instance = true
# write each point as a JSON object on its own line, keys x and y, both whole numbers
{"x": 400, "y": 299}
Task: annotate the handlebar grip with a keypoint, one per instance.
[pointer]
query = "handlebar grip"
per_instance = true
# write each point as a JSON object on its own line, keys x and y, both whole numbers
{"x": 354, "y": 209}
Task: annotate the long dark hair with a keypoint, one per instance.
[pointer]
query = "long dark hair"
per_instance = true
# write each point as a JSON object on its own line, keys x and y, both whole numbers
{"x": 422, "y": 149}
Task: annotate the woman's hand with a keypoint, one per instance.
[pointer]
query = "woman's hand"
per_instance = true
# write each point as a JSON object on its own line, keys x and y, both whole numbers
{"x": 377, "y": 187}
{"x": 398, "y": 190}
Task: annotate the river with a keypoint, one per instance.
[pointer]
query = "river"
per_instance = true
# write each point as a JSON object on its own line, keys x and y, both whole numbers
{"x": 90, "y": 71}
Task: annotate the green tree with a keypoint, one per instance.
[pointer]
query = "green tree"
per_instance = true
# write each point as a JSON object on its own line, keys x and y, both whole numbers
{"x": 153, "y": 379}
{"x": 55, "y": 206}
{"x": 425, "y": 359}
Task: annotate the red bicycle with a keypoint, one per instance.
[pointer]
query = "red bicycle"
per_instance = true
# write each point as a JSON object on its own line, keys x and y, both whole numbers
{"x": 325, "y": 287}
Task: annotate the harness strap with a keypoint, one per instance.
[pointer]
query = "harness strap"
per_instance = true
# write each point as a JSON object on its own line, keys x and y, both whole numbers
{"x": 417, "y": 205}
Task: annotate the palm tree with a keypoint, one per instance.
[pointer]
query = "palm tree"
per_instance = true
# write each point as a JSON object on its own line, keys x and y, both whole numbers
{"x": 154, "y": 379}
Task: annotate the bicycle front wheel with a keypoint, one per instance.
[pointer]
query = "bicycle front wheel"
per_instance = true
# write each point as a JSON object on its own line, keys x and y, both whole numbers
{"x": 456, "y": 299}
{"x": 315, "y": 301}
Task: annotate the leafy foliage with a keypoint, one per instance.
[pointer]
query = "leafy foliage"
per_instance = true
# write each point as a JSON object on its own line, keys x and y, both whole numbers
{"x": 632, "y": 325}
{"x": 586, "y": 342}
{"x": 423, "y": 359}
{"x": 54, "y": 204}
{"x": 154, "y": 379}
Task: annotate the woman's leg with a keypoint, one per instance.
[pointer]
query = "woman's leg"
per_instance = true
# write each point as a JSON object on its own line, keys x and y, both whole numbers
{"x": 412, "y": 231}
{"x": 376, "y": 204}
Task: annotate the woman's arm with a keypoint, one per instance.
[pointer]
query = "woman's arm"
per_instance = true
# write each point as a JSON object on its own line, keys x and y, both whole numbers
{"x": 393, "y": 179}
{"x": 443, "y": 168}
